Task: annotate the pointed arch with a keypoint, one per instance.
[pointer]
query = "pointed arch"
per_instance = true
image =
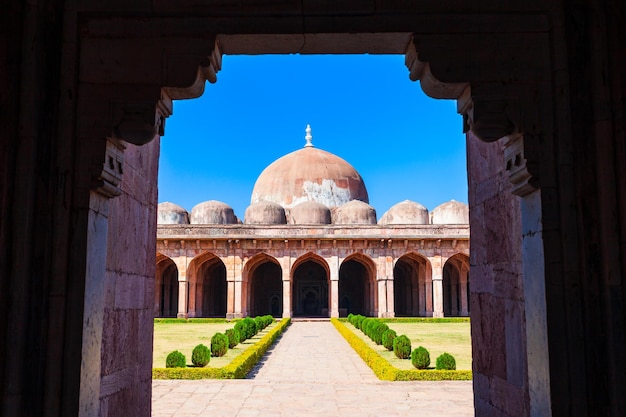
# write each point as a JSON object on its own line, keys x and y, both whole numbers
{"x": 412, "y": 288}
{"x": 207, "y": 287}
{"x": 456, "y": 286}
{"x": 166, "y": 287}
{"x": 310, "y": 282}
{"x": 262, "y": 286}
{"x": 357, "y": 286}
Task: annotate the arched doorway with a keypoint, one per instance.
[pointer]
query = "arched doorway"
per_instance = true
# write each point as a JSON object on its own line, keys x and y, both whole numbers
{"x": 357, "y": 287}
{"x": 207, "y": 287}
{"x": 412, "y": 286}
{"x": 265, "y": 293}
{"x": 310, "y": 295}
{"x": 166, "y": 288}
{"x": 456, "y": 286}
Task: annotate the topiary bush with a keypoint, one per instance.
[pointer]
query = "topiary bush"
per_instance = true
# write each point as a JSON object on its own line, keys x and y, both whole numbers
{"x": 402, "y": 347}
{"x": 388, "y": 336}
{"x": 175, "y": 360}
{"x": 420, "y": 358}
{"x": 249, "y": 327}
{"x": 260, "y": 323}
{"x": 377, "y": 332}
{"x": 233, "y": 337}
{"x": 219, "y": 344}
{"x": 446, "y": 362}
{"x": 240, "y": 328}
{"x": 200, "y": 356}
{"x": 358, "y": 321}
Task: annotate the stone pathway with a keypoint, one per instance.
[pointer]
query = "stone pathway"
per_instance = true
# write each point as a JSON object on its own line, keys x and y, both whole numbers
{"x": 311, "y": 371}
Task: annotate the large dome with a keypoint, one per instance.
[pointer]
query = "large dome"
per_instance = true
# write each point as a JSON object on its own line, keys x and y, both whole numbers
{"x": 309, "y": 174}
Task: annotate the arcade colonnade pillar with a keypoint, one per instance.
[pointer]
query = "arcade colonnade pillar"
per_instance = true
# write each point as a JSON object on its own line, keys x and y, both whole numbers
{"x": 378, "y": 292}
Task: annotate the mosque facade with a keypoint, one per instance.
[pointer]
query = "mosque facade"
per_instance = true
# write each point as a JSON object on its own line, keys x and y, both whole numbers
{"x": 310, "y": 245}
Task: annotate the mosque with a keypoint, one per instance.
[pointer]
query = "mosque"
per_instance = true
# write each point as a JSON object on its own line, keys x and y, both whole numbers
{"x": 310, "y": 245}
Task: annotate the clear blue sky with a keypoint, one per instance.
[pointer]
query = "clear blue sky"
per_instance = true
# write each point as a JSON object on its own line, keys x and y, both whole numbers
{"x": 363, "y": 108}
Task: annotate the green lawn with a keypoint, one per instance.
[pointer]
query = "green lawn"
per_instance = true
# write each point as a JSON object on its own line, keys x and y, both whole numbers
{"x": 437, "y": 338}
{"x": 185, "y": 336}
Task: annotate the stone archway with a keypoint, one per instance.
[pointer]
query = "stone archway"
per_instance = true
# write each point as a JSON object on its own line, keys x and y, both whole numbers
{"x": 263, "y": 276}
{"x": 207, "y": 291}
{"x": 166, "y": 288}
{"x": 91, "y": 88}
{"x": 310, "y": 292}
{"x": 456, "y": 286}
{"x": 412, "y": 286}
{"x": 357, "y": 286}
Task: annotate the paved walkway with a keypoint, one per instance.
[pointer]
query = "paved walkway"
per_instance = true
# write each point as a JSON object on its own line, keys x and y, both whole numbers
{"x": 311, "y": 371}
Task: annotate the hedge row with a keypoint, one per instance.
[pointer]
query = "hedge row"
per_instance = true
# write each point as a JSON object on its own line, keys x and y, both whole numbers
{"x": 387, "y": 372}
{"x": 238, "y": 368}
{"x": 194, "y": 320}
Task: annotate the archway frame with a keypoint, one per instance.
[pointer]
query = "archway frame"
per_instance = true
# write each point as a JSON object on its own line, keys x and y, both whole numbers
{"x": 249, "y": 267}
{"x": 491, "y": 108}
{"x": 372, "y": 279}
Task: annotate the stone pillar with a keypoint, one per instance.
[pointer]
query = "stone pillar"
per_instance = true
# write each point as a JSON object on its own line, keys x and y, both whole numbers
{"x": 463, "y": 292}
{"x": 382, "y": 297}
{"x": 333, "y": 264}
{"x": 230, "y": 299}
{"x": 437, "y": 268}
{"x": 285, "y": 265}
{"x": 390, "y": 299}
{"x": 182, "y": 298}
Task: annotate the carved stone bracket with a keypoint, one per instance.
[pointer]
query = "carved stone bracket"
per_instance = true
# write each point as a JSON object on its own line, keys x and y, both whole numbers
{"x": 139, "y": 121}
{"x": 516, "y": 165}
{"x": 110, "y": 178}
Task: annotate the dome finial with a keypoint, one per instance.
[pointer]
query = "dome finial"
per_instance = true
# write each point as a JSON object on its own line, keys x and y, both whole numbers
{"x": 308, "y": 136}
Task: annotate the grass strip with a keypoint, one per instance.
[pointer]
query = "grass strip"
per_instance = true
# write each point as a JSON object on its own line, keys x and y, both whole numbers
{"x": 238, "y": 368}
{"x": 387, "y": 372}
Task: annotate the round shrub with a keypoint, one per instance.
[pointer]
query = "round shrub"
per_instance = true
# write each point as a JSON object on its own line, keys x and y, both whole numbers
{"x": 249, "y": 327}
{"x": 201, "y": 355}
{"x": 175, "y": 360}
{"x": 219, "y": 344}
{"x": 365, "y": 324}
{"x": 260, "y": 323}
{"x": 445, "y": 361}
{"x": 351, "y": 318}
{"x": 420, "y": 358}
{"x": 358, "y": 321}
{"x": 233, "y": 337}
{"x": 388, "y": 336}
{"x": 240, "y": 328}
{"x": 402, "y": 347}
{"x": 377, "y": 332}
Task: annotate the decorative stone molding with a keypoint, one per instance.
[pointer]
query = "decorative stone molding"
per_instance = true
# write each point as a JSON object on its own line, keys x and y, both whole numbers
{"x": 107, "y": 183}
{"x": 140, "y": 121}
{"x": 516, "y": 165}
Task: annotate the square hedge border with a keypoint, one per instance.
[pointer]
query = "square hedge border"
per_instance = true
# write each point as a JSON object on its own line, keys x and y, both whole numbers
{"x": 387, "y": 372}
{"x": 238, "y": 368}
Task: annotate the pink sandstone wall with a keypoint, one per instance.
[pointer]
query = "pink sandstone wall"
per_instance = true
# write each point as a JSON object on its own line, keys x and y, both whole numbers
{"x": 129, "y": 288}
{"x": 497, "y": 298}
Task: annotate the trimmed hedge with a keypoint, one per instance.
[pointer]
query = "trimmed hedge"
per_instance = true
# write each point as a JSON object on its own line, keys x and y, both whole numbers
{"x": 420, "y": 358}
{"x": 402, "y": 347}
{"x": 387, "y": 372}
{"x": 200, "y": 356}
{"x": 446, "y": 362}
{"x": 238, "y": 368}
{"x": 388, "y": 337}
{"x": 219, "y": 344}
{"x": 175, "y": 359}
{"x": 233, "y": 338}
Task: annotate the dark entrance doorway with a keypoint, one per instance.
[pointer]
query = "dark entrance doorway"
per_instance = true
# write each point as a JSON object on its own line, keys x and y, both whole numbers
{"x": 310, "y": 290}
{"x": 266, "y": 287}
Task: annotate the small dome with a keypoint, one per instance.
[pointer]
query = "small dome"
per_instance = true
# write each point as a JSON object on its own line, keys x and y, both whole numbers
{"x": 452, "y": 212}
{"x": 170, "y": 213}
{"x": 405, "y": 212}
{"x": 265, "y": 212}
{"x": 213, "y": 212}
{"x": 309, "y": 212}
{"x": 355, "y": 212}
